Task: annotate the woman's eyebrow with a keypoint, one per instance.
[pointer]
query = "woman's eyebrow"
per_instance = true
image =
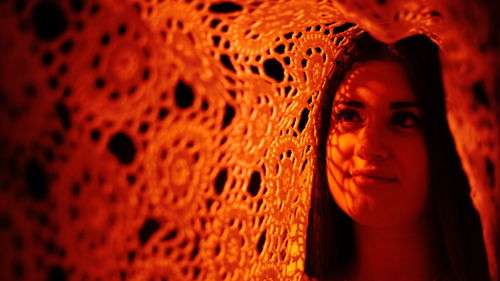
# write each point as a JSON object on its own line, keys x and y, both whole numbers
{"x": 404, "y": 104}
{"x": 352, "y": 103}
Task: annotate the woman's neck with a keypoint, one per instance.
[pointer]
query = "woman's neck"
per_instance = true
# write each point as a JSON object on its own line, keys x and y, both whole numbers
{"x": 410, "y": 252}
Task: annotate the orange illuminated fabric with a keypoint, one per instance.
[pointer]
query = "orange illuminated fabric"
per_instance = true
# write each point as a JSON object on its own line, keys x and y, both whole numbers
{"x": 174, "y": 140}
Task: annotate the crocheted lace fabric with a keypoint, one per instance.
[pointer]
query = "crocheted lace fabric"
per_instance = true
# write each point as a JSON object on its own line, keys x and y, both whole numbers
{"x": 173, "y": 140}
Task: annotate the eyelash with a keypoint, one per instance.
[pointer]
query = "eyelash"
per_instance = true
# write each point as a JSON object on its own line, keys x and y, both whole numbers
{"x": 341, "y": 112}
{"x": 406, "y": 114}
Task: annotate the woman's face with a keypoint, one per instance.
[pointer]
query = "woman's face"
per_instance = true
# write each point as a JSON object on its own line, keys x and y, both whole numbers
{"x": 377, "y": 165}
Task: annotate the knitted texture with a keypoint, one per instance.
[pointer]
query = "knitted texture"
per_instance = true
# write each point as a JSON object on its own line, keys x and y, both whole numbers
{"x": 174, "y": 140}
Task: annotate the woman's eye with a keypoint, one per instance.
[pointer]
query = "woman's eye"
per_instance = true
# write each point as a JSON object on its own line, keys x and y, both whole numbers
{"x": 347, "y": 116}
{"x": 405, "y": 119}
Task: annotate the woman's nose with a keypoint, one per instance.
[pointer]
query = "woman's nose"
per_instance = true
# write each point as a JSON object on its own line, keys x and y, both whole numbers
{"x": 371, "y": 145}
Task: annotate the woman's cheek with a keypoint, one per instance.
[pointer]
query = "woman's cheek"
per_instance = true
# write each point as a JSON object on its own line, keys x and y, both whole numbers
{"x": 339, "y": 155}
{"x": 415, "y": 158}
{"x": 345, "y": 143}
{"x": 414, "y": 161}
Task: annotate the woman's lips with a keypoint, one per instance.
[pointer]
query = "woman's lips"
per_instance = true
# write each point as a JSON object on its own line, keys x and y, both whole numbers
{"x": 371, "y": 175}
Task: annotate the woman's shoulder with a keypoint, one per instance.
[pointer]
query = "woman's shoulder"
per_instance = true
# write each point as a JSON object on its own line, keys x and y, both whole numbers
{"x": 447, "y": 275}
{"x": 306, "y": 277}
{"x": 316, "y": 279}
{"x": 331, "y": 278}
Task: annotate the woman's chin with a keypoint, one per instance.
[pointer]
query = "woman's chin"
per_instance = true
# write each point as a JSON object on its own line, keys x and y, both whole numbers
{"x": 374, "y": 216}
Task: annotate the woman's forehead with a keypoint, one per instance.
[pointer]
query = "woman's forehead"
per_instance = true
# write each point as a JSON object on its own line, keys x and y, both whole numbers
{"x": 376, "y": 81}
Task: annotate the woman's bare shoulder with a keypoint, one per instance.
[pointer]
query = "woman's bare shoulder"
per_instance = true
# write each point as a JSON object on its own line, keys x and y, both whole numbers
{"x": 305, "y": 277}
{"x": 331, "y": 278}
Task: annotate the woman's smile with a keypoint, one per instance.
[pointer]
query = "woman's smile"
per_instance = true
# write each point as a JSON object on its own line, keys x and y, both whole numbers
{"x": 385, "y": 155}
{"x": 376, "y": 154}
{"x": 372, "y": 173}
{"x": 371, "y": 178}
{"x": 367, "y": 181}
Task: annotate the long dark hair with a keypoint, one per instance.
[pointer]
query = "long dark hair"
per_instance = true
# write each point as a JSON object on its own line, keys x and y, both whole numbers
{"x": 330, "y": 237}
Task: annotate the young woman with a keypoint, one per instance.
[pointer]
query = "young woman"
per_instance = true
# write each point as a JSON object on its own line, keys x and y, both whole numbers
{"x": 389, "y": 198}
